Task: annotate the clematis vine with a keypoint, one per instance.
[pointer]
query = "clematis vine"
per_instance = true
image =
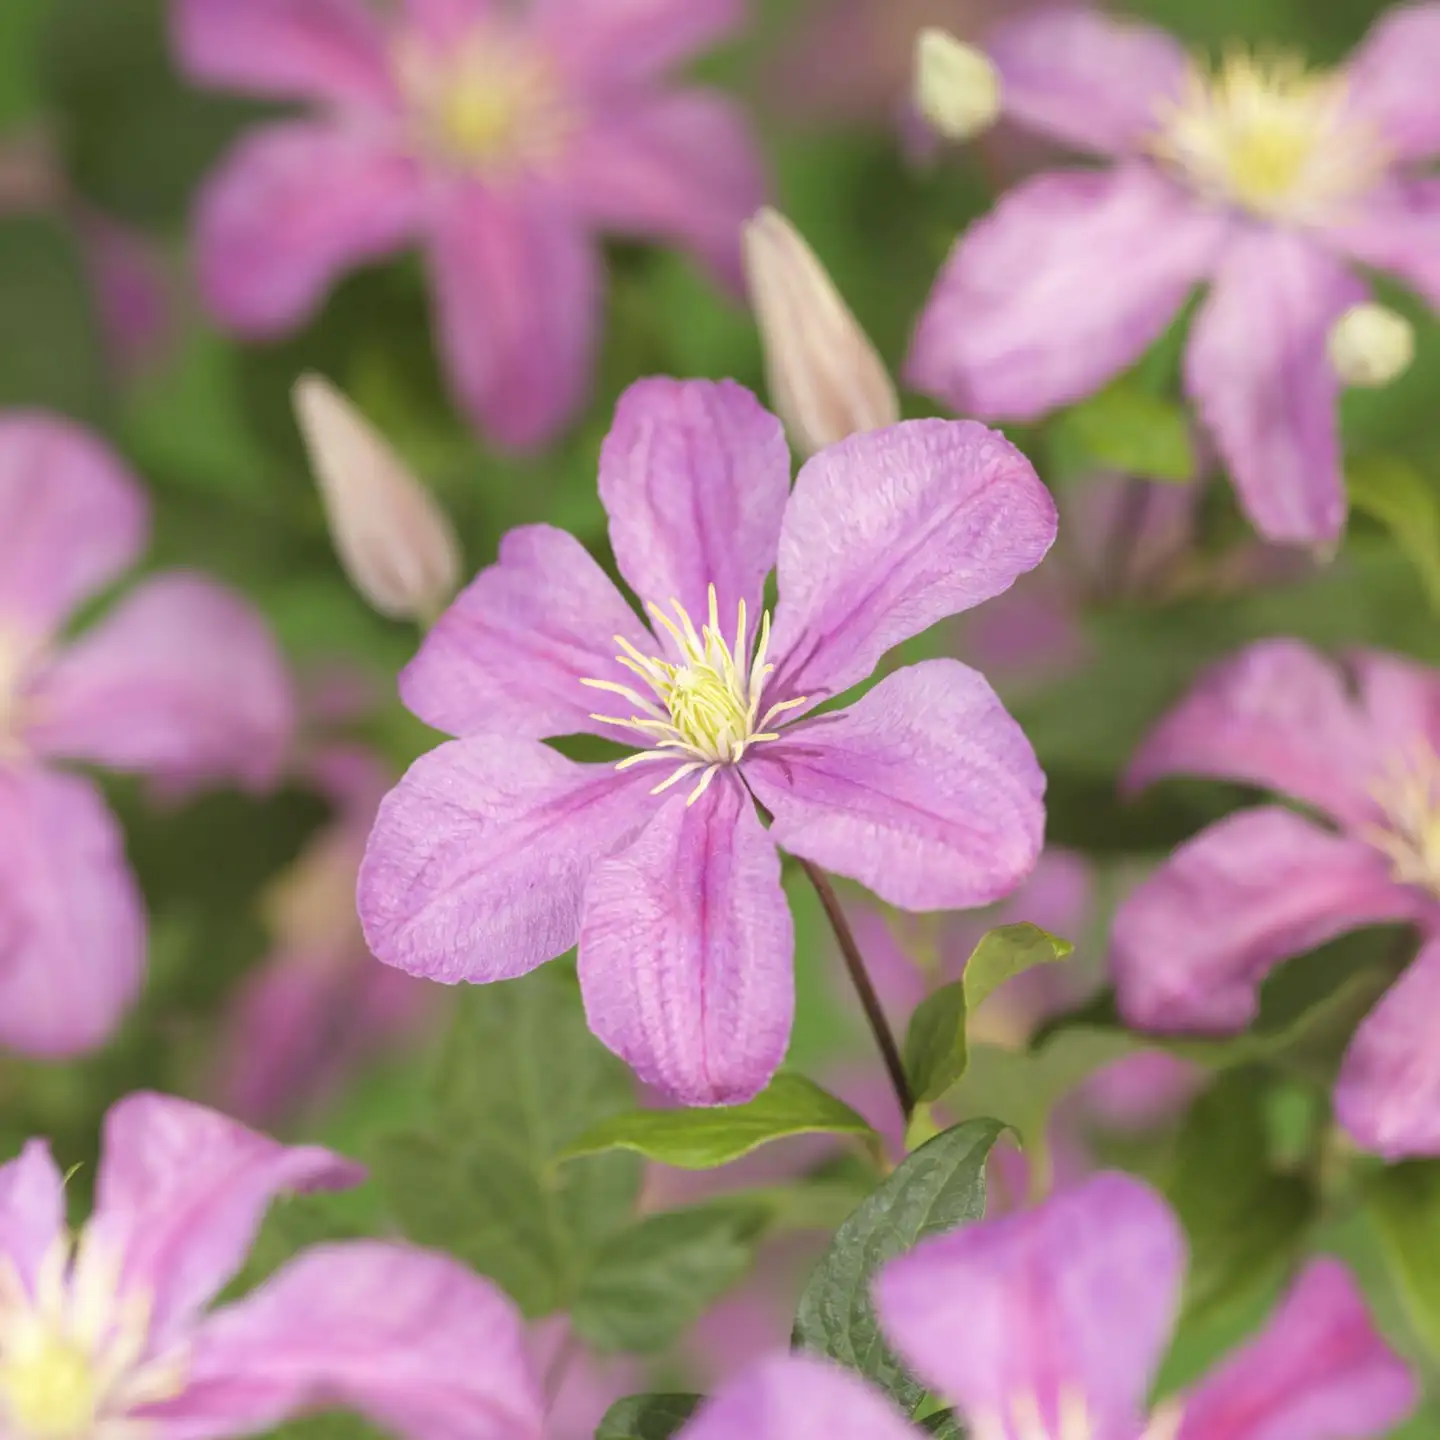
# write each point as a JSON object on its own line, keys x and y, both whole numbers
{"x": 496, "y": 853}
{"x": 105, "y": 1334}
{"x": 1049, "y": 1325}
{"x": 1193, "y": 942}
{"x": 180, "y": 682}
{"x": 1264, "y": 178}
{"x": 502, "y": 137}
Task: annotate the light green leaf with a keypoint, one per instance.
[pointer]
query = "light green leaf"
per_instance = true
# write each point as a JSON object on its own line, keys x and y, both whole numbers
{"x": 647, "y": 1417}
{"x": 935, "y": 1046}
{"x": 1395, "y": 493}
{"x": 1126, "y": 428}
{"x": 939, "y": 1187}
{"x": 1403, "y": 1203}
{"x": 703, "y": 1139}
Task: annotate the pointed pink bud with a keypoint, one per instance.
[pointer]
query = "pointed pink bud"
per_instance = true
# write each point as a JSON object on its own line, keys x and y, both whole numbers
{"x": 826, "y": 380}
{"x": 395, "y": 542}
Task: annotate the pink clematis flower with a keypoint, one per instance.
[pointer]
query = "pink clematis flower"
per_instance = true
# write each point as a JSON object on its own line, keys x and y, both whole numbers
{"x": 503, "y": 137}
{"x": 496, "y": 853}
{"x": 105, "y": 1334}
{"x": 1049, "y": 1325}
{"x": 1193, "y": 942}
{"x": 181, "y": 682}
{"x": 1264, "y": 179}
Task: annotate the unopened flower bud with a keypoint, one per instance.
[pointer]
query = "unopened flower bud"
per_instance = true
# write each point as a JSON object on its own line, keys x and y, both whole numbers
{"x": 1370, "y": 345}
{"x": 825, "y": 379}
{"x": 957, "y": 86}
{"x": 394, "y": 540}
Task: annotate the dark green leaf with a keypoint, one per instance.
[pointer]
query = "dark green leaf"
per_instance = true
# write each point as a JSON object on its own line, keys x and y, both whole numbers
{"x": 1404, "y": 1205}
{"x": 943, "y": 1423}
{"x": 703, "y": 1139}
{"x": 1395, "y": 493}
{"x": 937, "y": 1188}
{"x": 1126, "y": 428}
{"x": 647, "y": 1417}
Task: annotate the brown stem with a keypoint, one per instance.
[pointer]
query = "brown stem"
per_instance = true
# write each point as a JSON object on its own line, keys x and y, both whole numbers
{"x": 860, "y": 978}
{"x": 1118, "y": 558}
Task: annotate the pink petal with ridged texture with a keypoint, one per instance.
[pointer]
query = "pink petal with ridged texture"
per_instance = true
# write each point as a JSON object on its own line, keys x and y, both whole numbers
{"x": 606, "y": 44}
{"x": 681, "y": 168}
{"x": 1258, "y": 370}
{"x": 479, "y": 857}
{"x": 32, "y": 1210}
{"x": 1192, "y": 943}
{"x": 1086, "y": 79}
{"x": 411, "y": 1339}
{"x": 1391, "y": 80}
{"x": 72, "y": 519}
{"x": 72, "y": 922}
{"x": 1067, "y": 282}
{"x": 1397, "y": 228}
{"x": 517, "y": 308}
{"x": 925, "y": 790}
{"x": 182, "y": 680}
{"x": 695, "y": 475}
{"x": 510, "y": 653}
{"x": 1278, "y": 715}
{"x": 180, "y": 1193}
{"x": 1401, "y": 702}
{"x": 332, "y": 50}
{"x": 293, "y": 206}
{"x": 687, "y": 947}
{"x": 888, "y": 533}
{"x": 1388, "y": 1094}
{"x": 1318, "y": 1371}
{"x": 445, "y": 22}
{"x": 1066, "y": 1305}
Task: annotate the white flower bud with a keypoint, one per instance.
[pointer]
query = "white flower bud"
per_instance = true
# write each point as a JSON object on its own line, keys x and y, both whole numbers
{"x": 395, "y": 542}
{"x": 957, "y": 86}
{"x": 825, "y": 379}
{"x": 1370, "y": 345}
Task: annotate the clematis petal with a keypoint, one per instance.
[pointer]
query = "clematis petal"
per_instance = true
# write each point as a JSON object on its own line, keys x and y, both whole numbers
{"x": 510, "y": 652}
{"x": 445, "y": 22}
{"x": 1067, "y": 282}
{"x": 694, "y": 475}
{"x": 331, "y": 50}
{"x": 1390, "y": 80}
{"x": 795, "y": 1397}
{"x": 1259, "y": 373}
{"x": 686, "y": 950}
{"x": 32, "y": 1209}
{"x": 294, "y": 205}
{"x": 605, "y": 42}
{"x": 1278, "y": 715}
{"x": 1401, "y": 702}
{"x": 1388, "y": 1094}
{"x": 1086, "y": 79}
{"x": 517, "y": 301}
{"x": 409, "y": 1338}
{"x": 180, "y": 1193}
{"x": 926, "y": 791}
{"x": 1398, "y": 229}
{"x": 1192, "y": 943}
{"x": 72, "y": 923}
{"x": 680, "y": 167}
{"x": 891, "y": 531}
{"x": 182, "y": 680}
{"x": 479, "y": 857}
{"x": 1064, "y": 1311}
{"x": 1318, "y": 1371}
{"x": 72, "y": 519}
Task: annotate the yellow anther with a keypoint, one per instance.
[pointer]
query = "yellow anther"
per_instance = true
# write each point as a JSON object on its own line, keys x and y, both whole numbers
{"x": 1371, "y": 345}
{"x": 1407, "y": 791}
{"x": 957, "y": 86}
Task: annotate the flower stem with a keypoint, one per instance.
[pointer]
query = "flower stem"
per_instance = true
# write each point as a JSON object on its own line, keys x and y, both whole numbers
{"x": 860, "y": 978}
{"x": 1117, "y": 562}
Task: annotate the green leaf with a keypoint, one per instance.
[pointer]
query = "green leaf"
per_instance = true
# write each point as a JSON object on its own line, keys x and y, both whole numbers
{"x": 937, "y": 1188}
{"x": 519, "y": 1078}
{"x": 647, "y": 1417}
{"x": 1403, "y": 1203}
{"x": 943, "y": 1423}
{"x": 1126, "y": 428}
{"x": 1395, "y": 493}
{"x": 703, "y": 1139}
{"x": 647, "y": 1285}
{"x": 935, "y": 1046}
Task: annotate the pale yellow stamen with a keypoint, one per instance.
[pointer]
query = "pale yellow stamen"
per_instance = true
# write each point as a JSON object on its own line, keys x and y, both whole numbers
{"x": 1371, "y": 345}
{"x": 16, "y": 660}
{"x": 1272, "y": 137}
{"x": 957, "y": 86}
{"x": 1407, "y": 791}
{"x": 705, "y": 710}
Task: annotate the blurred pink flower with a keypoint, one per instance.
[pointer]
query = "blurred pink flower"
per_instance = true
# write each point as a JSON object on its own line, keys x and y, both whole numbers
{"x": 580, "y": 1385}
{"x": 502, "y": 138}
{"x": 181, "y": 682}
{"x": 1263, "y": 180}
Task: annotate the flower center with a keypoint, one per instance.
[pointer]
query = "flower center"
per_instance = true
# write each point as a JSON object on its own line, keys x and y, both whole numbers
{"x": 703, "y": 710}
{"x": 1270, "y": 136}
{"x": 492, "y": 104}
{"x": 1407, "y": 790}
{"x": 52, "y": 1391}
{"x": 13, "y": 665}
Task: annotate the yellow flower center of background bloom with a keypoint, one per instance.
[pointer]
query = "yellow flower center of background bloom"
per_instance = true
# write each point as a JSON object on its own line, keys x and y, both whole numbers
{"x": 50, "y": 1393}
{"x": 1270, "y": 136}
{"x": 704, "y": 709}
{"x": 1407, "y": 791}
